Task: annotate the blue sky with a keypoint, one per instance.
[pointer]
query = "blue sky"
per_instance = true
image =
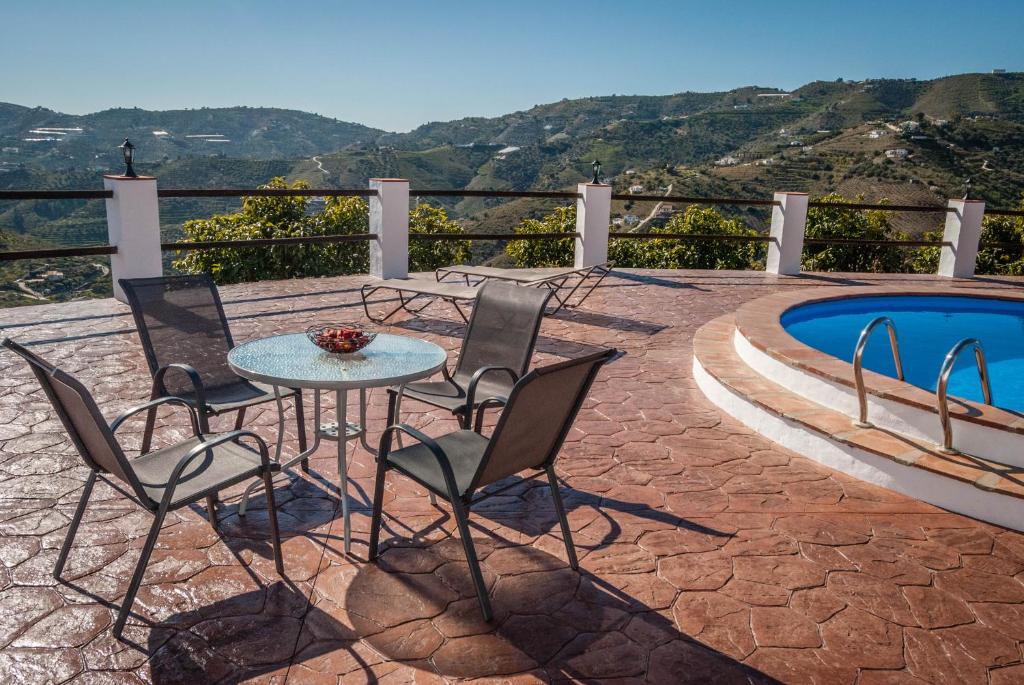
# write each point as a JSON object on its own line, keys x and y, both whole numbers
{"x": 400, "y": 63}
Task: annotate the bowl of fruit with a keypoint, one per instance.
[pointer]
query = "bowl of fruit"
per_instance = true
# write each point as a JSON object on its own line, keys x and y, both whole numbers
{"x": 339, "y": 338}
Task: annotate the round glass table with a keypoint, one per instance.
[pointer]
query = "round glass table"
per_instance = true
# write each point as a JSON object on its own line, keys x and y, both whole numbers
{"x": 293, "y": 361}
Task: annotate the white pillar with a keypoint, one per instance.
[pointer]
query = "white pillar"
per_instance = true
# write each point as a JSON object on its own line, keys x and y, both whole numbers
{"x": 786, "y": 248}
{"x": 962, "y": 232}
{"x": 389, "y": 221}
{"x": 593, "y": 214}
{"x": 133, "y": 226}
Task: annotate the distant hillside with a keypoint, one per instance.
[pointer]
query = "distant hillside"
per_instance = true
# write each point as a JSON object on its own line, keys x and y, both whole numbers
{"x": 59, "y": 141}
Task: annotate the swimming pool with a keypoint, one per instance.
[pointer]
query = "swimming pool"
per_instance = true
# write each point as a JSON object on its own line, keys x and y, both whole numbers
{"x": 928, "y": 326}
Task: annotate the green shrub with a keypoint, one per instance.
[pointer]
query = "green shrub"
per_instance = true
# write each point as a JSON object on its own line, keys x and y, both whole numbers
{"x": 284, "y": 217}
{"x": 656, "y": 253}
{"x": 837, "y": 221}
{"x": 1005, "y": 260}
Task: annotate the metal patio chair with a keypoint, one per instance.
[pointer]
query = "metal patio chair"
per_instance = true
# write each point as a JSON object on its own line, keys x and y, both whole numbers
{"x": 160, "y": 481}
{"x": 495, "y": 352}
{"x": 183, "y": 330}
{"x": 537, "y": 416}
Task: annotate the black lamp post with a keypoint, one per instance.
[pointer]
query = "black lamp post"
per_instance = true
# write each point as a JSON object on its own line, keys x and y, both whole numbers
{"x": 128, "y": 152}
{"x": 597, "y": 171}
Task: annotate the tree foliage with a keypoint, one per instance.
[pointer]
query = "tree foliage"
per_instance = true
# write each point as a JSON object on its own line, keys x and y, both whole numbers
{"x": 671, "y": 253}
{"x": 284, "y": 217}
{"x": 427, "y": 255}
{"x": 837, "y": 221}
{"x": 654, "y": 253}
{"x": 550, "y": 252}
{"x": 1006, "y": 259}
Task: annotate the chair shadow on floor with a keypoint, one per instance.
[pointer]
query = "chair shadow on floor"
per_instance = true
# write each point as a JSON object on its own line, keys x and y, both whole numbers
{"x": 646, "y": 279}
{"x": 512, "y": 510}
{"x": 601, "y": 320}
{"x": 452, "y": 329}
{"x": 244, "y": 637}
{"x": 548, "y": 619}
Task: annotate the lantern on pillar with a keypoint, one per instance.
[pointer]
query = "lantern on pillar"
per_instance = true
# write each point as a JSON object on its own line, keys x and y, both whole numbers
{"x": 128, "y": 152}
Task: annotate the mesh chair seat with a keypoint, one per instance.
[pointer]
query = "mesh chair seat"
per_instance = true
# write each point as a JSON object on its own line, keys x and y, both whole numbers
{"x": 465, "y": 450}
{"x": 225, "y": 398}
{"x": 222, "y": 466}
{"x": 451, "y": 395}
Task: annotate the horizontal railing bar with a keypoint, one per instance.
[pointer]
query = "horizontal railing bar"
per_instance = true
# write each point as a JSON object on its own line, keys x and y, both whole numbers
{"x": 693, "y": 200}
{"x": 266, "y": 242}
{"x": 422, "y": 192}
{"x": 491, "y": 236}
{"x": 265, "y": 192}
{"x": 692, "y": 236}
{"x": 865, "y": 241}
{"x": 58, "y": 252}
{"x": 56, "y": 194}
{"x": 888, "y": 208}
{"x": 553, "y": 194}
{"x": 1001, "y": 244}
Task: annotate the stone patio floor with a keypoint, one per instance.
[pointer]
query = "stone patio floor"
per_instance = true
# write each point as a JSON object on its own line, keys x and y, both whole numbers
{"x": 708, "y": 553}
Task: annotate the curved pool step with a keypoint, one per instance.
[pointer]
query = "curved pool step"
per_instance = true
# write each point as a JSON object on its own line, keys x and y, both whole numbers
{"x": 983, "y": 489}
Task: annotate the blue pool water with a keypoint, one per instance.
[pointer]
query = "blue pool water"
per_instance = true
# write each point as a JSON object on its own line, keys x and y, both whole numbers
{"x": 928, "y": 326}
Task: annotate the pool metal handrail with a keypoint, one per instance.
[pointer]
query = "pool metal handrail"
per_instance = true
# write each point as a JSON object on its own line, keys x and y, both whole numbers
{"x": 858, "y": 363}
{"x": 940, "y": 387}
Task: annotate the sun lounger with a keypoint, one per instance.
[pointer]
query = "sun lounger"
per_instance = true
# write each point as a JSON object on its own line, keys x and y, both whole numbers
{"x": 556, "y": 279}
{"x": 409, "y": 289}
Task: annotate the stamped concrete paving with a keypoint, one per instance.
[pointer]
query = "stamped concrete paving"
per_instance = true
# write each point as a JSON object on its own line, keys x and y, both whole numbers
{"x": 708, "y": 553}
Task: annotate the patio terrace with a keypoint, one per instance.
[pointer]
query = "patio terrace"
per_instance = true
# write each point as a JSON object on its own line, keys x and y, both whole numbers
{"x": 708, "y": 553}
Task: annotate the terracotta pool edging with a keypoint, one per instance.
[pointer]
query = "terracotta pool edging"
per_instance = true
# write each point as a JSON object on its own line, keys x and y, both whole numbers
{"x": 975, "y": 487}
{"x": 759, "y": 322}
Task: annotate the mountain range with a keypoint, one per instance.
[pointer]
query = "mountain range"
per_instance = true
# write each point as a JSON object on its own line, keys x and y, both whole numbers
{"x": 905, "y": 140}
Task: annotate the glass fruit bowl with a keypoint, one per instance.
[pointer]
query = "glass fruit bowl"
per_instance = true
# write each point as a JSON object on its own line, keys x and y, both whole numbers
{"x": 339, "y": 338}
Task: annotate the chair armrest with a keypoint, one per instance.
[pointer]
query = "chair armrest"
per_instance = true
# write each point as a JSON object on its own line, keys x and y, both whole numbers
{"x": 426, "y": 441}
{"x": 201, "y": 448}
{"x": 478, "y": 423}
{"x": 475, "y": 380}
{"x": 193, "y": 376}
{"x": 119, "y": 421}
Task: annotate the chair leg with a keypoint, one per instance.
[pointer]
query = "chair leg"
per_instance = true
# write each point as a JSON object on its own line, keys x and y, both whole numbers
{"x": 240, "y": 419}
{"x": 378, "y": 507}
{"x": 204, "y": 421}
{"x": 75, "y": 521}
{"x": 211, "y": 510}
{"x": 394, "y": 413}
{"x": 300, "y": 420}
{"x": 474, "y": 563}
{"x": 204, "y": 428}
{"x": 140, "y": 569}
{"x": 275, "y": 532}
{"x": 147, "y": 432}
{"x": 563, "y": 521}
